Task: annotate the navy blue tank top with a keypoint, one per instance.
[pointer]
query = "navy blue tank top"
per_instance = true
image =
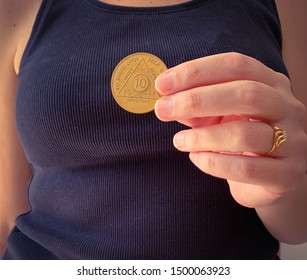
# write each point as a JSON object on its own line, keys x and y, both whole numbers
{"x": 108, "y": 184}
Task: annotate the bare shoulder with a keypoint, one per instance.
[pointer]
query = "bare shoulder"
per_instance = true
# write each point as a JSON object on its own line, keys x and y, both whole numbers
{"x": 16, "y": 21}
{"x": 293, "y": 20}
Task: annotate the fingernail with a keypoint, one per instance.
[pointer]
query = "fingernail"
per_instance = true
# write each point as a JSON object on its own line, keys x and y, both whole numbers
{"x": 164, "y": 107}
{"x": 179, "y": 140}
{"x": 166, "y": 81}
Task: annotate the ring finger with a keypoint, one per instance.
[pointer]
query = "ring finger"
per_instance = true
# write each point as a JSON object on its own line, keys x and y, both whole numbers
{"x": 231, "y": 137}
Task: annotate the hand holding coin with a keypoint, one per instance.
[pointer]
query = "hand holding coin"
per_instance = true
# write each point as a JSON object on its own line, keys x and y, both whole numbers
{"x": 235, "y": 106}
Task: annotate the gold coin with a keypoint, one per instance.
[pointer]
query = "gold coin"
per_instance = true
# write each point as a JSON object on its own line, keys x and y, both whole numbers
{"x": 133, "y": 82}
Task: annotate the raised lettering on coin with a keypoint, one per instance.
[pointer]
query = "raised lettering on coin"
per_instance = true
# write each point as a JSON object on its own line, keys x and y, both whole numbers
{"x": 133, "y": 82}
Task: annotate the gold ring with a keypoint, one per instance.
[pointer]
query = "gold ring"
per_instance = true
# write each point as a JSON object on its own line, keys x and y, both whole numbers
{"x": 280, "y": 136}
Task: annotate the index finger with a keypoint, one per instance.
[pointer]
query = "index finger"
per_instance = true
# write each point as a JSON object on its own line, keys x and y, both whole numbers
{"x": 216, "y": 69}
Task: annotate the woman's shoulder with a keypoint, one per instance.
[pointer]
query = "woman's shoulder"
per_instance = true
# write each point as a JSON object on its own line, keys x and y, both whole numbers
{"x": 16, "y": 21}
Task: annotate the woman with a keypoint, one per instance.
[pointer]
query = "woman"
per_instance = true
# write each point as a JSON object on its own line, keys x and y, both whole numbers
{"x": 105, "y": 183}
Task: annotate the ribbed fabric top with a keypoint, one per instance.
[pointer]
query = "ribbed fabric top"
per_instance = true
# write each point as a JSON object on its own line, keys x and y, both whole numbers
{"x": 108, "y": 184}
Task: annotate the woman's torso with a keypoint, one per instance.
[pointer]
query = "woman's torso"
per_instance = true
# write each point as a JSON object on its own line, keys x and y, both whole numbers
{"x": 108, "y": 184}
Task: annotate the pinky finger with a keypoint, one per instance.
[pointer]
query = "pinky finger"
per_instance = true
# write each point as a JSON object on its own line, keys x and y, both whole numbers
{"x": 277, "y": 174}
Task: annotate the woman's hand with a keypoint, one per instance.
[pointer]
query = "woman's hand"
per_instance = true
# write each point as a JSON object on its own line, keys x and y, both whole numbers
{"x": 232, "y": 102}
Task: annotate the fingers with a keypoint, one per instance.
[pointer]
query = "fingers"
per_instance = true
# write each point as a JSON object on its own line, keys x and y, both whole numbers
{"x": 218, "y": 69}
{"x": 231, "y": 137}
{"x": 249, "y": 98}
{"x": 232, "y": 103}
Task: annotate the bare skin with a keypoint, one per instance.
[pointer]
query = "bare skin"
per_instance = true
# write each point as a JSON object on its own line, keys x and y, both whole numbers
{"x": 16, "y": 20}
{"x": 280, "y": 201}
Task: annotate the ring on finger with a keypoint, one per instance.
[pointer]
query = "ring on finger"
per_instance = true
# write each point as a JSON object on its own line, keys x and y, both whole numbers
{"x": 280, "y": 136}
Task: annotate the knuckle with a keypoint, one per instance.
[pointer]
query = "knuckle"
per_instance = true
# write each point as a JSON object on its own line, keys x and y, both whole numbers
{"x": 195, "y": 140}
{"x": 194, "y": 71}
{"x": 300, "y": 110}
{"x": 193, "y": 102}
{"x": 249, "y": 94}
{"x": 238, "y": 62}
{"x": 242, "y": 136}
{"x": 247, "y": 169}
{"x": 296, "y": 111}
{"x": 211, "y": 164}
{"x": 284, "y": 80}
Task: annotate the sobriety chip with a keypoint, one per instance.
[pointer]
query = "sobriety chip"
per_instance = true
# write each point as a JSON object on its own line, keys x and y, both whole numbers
{"x": 133, "y": 82}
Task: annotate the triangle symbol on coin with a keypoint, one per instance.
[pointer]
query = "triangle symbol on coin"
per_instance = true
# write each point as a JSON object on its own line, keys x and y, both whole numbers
{"x": 140, "y": 83}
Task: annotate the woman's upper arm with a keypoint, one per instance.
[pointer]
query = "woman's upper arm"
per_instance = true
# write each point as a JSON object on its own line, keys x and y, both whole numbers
{"x": 293, "y": 20}
{"x": 15, "y": 171}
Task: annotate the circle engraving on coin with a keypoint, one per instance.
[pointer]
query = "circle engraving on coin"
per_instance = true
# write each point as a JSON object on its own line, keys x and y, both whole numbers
{"x": 133, "y": 82}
